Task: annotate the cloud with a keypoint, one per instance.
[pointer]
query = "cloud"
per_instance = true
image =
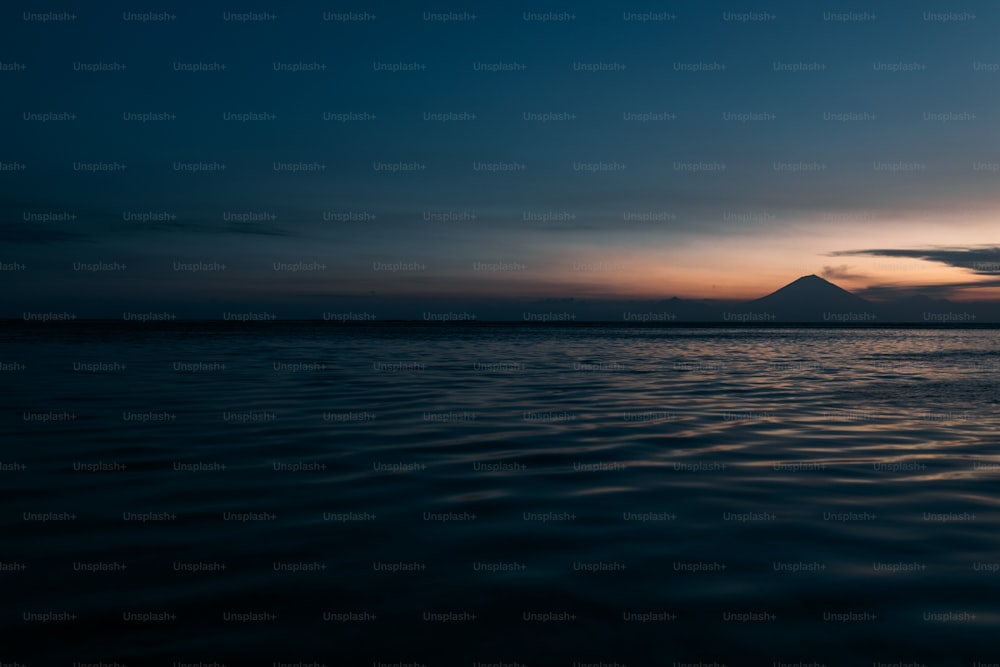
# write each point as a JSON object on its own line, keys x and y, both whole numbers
{"x": 841, "y": 272}
{"x": 980, "y": 260}
{"x": 40, "y": 235}
{"x": 890, "y": 291}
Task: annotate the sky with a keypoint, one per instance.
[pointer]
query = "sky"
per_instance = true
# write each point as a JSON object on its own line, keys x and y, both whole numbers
{"x": 389, "y": 159}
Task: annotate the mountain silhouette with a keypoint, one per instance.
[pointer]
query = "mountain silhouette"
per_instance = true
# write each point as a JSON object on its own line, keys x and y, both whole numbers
{"x": 813, "y": 299}
{"x": 806, "y": 300}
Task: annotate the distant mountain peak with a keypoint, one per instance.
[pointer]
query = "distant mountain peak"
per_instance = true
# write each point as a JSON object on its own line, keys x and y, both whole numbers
{"x": 812, "y": 286}
{"x": 812, "y": 278}
{"x": 810, "y": 298}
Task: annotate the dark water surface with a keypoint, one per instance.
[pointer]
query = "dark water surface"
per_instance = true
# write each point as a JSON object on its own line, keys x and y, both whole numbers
{"x": 532, "y": 495}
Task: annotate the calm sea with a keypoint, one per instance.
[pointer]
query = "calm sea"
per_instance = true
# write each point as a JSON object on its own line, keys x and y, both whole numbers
{"x": 321, "y": 494}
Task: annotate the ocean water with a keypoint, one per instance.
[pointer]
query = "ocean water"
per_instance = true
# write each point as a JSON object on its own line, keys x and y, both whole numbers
{"x": 535, "y": 495}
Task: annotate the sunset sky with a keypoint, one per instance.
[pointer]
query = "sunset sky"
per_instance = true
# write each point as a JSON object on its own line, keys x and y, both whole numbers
{"x": 859, "y": 143}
